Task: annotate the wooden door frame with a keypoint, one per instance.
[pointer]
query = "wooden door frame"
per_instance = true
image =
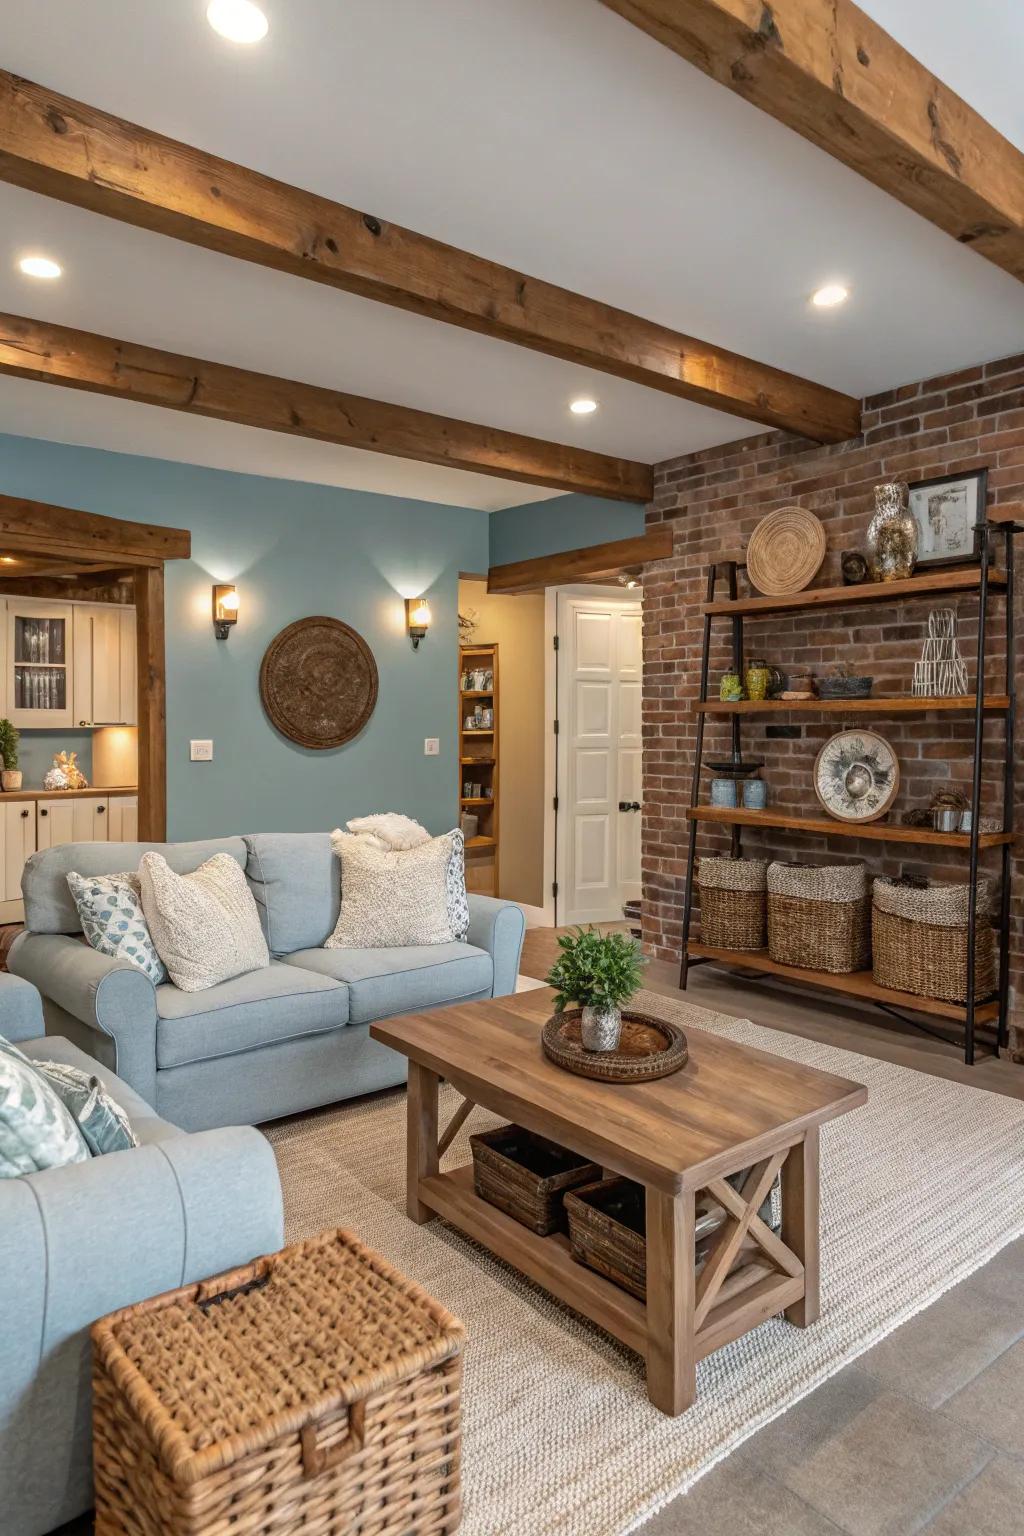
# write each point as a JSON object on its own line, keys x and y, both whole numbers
{"x": 47, "y": 541}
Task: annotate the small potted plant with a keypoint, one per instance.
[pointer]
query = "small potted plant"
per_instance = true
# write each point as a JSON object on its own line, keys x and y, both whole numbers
{"x": 10, "y": 777}
{"x": 599, "y": 974}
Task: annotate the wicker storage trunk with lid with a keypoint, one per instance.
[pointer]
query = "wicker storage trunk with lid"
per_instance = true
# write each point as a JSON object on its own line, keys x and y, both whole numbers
{"x": 315, "y": 1390}
{"x": 919, "y": 940}
{"x": 819, "y": 917}
{"x": 732, "y": 902}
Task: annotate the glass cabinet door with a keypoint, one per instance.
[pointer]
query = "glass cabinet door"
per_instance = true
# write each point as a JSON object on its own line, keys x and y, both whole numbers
{"x": 39, "y": 663}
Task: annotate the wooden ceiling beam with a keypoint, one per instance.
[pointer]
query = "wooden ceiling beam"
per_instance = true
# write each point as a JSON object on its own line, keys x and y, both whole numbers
{"x": 826, "y": 70}
{"x": 592, "y": 562}
{"x": 56, "y": 354}
{"x": 39, "y": 529}
{"x": 64, "y": 149}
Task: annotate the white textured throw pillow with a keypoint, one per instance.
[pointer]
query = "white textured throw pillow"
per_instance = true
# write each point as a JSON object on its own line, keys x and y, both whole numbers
{"x": 205, "y": 925}
{"x": 389, "y": 829}
{"x": 389, "y": 899}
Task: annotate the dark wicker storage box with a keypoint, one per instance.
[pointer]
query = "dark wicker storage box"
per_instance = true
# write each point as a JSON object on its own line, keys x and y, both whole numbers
{"x": 732, "y": 902}
{"x": 316, "y": 1389}
{"x": 819, "y": 917}
{"x": 919, "y": 940}
{"x": 526, "y": 1176}
{"x": 608, "y": 1228}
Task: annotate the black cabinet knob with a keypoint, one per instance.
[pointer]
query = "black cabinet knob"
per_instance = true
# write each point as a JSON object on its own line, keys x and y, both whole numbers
{"x": 44, "y": 811}
{"x": 24, "y": 813}
{"x": 100, "y": 809}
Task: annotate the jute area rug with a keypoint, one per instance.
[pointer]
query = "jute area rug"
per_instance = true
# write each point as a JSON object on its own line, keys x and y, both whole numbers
{"x": 921, "y": 1186}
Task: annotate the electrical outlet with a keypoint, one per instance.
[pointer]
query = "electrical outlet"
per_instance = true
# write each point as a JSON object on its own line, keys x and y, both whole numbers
{"x": 200, "y": 751}
{"x": 432, "y": 746}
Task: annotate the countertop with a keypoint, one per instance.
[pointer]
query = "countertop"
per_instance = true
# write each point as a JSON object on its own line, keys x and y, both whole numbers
{"x": 96, "y": 793}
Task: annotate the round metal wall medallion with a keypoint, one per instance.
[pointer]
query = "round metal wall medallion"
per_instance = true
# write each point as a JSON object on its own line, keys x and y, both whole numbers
{"x": 318, "y": 682}
{"x": 856, "y": 776}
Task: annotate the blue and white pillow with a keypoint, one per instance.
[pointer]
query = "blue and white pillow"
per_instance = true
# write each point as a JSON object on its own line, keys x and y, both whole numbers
{"x": 103, "y": 1123}
{"x": 456, "y": 900}
{"x": 110, "y": 908}
{"x": 36, "y": 1129}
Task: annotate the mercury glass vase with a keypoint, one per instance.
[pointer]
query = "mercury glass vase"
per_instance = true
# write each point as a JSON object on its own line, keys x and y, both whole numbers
{"x": 892, "y": 536}
{"x": 600, "y": 1028}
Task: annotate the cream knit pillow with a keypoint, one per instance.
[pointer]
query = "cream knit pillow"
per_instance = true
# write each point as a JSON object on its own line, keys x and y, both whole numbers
{"x": 391, "y": 898}
{"x": 205, "y": 925}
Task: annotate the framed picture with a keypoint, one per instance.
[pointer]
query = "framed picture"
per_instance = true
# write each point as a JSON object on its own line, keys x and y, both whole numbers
{"x": 946, "y": 511}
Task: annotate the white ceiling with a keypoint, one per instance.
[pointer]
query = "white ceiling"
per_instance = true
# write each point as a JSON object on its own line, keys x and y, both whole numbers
{"x": 554, "y": 138}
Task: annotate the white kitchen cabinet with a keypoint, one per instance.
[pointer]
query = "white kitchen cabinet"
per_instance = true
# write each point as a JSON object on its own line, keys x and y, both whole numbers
{"x": 18, "y": 839}
{"x": 104, "y": 666}
{"x": 123, "y": 819}
{"x": 63, "y": 819}
{"x": 38, "y": 684}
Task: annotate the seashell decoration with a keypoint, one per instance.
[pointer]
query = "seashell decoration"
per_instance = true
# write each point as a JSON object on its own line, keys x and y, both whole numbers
{"x": 65, "y": 773}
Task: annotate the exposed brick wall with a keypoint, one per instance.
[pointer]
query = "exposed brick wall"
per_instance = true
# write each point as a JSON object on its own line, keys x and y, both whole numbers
{"x": 713, "y": 500}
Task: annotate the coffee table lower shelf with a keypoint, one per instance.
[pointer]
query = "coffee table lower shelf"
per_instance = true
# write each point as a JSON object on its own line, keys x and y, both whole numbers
{"x": 752, "y": 1292}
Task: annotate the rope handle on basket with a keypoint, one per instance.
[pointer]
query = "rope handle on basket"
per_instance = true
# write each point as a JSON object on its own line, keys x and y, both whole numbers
{"x": 316, "y": 1460}
{"x": 251, "y": 1279}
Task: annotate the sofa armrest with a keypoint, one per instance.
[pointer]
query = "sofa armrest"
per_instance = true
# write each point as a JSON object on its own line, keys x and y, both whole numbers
{"x": 81, "y": 1241}
{"x": 21, "y": 1010}
{"x": 498, "y": 927}
{"x": 110, "y": 997}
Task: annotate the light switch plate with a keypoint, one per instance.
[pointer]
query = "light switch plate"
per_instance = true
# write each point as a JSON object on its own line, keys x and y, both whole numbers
{"x": 432, "y": 746}
{"x": 200, "y": 751}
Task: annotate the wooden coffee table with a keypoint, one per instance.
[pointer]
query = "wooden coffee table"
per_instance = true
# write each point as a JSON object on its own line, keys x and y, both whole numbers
{"x": 728, "y": 1109}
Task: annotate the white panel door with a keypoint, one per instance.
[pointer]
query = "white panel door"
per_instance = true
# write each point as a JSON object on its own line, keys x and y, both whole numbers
{"x": 99, "y": 697}
{"x": 19, "y": 840}
{"x": 600, "y": 762}
{"x": 70, "y": 820}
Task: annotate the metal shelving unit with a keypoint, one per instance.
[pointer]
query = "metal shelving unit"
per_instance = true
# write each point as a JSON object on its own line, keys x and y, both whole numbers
{"x": 991, "y": 1012}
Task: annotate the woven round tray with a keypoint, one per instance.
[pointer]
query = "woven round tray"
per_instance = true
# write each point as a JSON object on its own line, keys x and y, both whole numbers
{"x": 648, "y": 1048}
{"x": 785, "y": 551}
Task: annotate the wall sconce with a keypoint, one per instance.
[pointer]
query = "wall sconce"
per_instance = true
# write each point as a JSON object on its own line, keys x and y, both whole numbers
{"x": 417, "y": 619}
{"x": 630, "y": 578}
{"x": 225, "y": 610}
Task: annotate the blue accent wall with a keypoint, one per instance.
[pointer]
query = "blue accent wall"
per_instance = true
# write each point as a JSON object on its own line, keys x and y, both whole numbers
{"x": 294, "y": 550}
{"x": 562, "y": 522}
{"x": 37, "y": 749}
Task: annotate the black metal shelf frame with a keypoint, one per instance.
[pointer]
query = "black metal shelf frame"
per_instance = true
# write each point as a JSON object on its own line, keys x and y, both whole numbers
{"x": 988, "y": 531}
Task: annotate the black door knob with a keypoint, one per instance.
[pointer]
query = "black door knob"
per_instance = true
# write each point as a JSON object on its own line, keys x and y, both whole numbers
{"x": 629, "y": 805}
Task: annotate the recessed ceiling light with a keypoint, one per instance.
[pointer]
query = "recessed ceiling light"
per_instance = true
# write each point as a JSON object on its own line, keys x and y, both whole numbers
{"x": 238, "y": 20}
{"x": 583, "y": 407}
{"x": 39, "y": 266}
{"x": 831, "y": 295}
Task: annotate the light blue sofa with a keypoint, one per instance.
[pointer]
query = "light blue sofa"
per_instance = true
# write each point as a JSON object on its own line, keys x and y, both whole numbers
{"x": 272, "y": 1042}
{"x": 79, "y": 1242}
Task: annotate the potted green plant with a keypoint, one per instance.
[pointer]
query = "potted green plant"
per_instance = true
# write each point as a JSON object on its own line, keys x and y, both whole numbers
{"x": 10, "y": 777}
{"x": 599, "y": 973}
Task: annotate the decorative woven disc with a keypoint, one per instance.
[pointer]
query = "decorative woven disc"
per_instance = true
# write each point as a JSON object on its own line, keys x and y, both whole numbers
{"x": 648, "y": 1048}
{"x": 318, "y": 682}
{"x": 785, "y": 551}
{"x": 856, "y": 775}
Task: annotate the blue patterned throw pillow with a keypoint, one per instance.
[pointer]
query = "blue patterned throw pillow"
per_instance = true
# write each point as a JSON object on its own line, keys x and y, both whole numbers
{"x": 455, "y": 886}
{"x": 36, "y": 1130}
{"x": 101, "y": 1120}
{"x": 110, "y": 909}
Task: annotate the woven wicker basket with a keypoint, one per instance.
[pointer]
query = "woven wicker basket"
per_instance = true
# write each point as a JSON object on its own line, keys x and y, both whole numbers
{"x": 919, "y": 940}
{"x": 732, "y": 903}
{"x": 527, "y": 1176}
{"x": 314, "y": 1390}
{"x": 819, "y": 917}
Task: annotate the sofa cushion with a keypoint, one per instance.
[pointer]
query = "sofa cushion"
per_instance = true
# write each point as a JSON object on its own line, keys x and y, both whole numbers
{"x": 382, "y": 982}
{"x": 49, "y": 905}
{"x": 296, "y": 881}
{"x": 259, "y": 1008}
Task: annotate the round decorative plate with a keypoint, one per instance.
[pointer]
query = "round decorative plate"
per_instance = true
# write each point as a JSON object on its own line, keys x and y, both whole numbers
{"x": 648, "y": 1048}
{"x": 856, "y": 776}
{"x": 318, "y": 682}
{"x": 785, "y": 551}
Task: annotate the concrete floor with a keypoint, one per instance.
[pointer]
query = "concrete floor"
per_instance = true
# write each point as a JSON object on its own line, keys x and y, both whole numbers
{"x": 925, "y": 1433}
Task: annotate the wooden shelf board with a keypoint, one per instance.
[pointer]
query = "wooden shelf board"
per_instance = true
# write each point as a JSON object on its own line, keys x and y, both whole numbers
{"x": 858, "y": 984}
{"x": 477, "y": 800}
{"x": 479, "y": 762}
{"x": 877, "y": 831}
{"x": 905, "y": 704}
{"x": 930, "y": 584}
{"x": 481, "y": 842}
{"x": 477, "y": 731}
{"x": 477, "y": 693}
{"x": 547, "y": 1260}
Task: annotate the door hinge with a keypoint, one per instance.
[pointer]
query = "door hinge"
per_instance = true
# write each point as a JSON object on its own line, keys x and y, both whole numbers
{"x": 554, "y": 888}
{"x": 554, "y": 642}
{"x": 556, "y": 727}
{"x": 554, "y": 803}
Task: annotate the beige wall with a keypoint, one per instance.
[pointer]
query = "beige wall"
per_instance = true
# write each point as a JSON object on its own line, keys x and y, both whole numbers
{"x": 516, "y": 625}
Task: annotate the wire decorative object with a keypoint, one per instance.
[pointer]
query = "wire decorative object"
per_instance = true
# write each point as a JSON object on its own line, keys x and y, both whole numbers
{"x": 942, "y": 672}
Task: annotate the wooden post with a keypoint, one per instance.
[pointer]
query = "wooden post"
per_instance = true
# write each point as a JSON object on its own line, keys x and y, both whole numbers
{"x": 671, "y": 1364}
{"x": 149, "y": 612}
{"x": 421, "y": 1158}
{"x": 800, "y": 1223}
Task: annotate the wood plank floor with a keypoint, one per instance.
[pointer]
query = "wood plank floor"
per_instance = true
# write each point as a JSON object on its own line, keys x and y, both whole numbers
{"x": 798, "y": 1011}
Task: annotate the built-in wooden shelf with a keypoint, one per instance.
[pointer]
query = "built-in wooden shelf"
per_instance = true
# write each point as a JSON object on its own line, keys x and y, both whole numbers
{"x": 857, "y": 984}
{"x": 825, "y": 826}
{"x": 480, "y": 841}
{"x": 477, "y": 731}
{"x": 931, "y": 584}
{"x": 477, "y": 800}
{"x": 478, "y": 693}
{"x": 478, "y": 762}
{"x": 905, "y": 704}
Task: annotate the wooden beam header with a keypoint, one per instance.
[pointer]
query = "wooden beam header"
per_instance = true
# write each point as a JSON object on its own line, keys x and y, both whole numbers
{"x": 56, "y": 354}
{"x": 826, "y": 70}
{"x": 594, "y": 562}
{"x": 67, "y": 150}
{"x": 41, "y": 529}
